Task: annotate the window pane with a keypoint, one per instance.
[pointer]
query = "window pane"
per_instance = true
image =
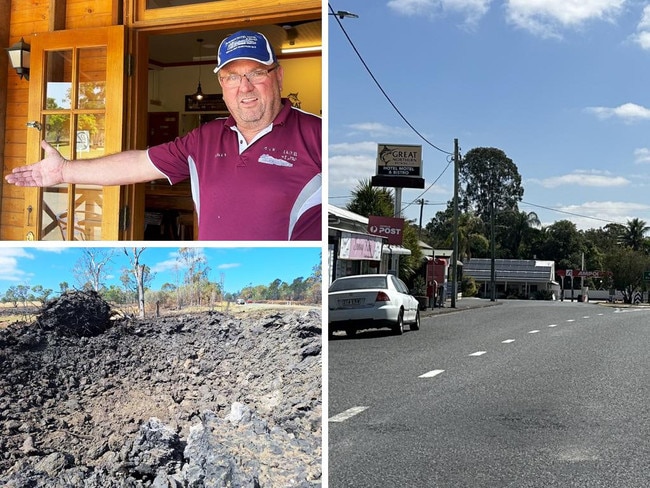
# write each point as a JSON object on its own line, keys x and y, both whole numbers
{"x": 91, "y": 129}
{"x": 57, "y": 133}
{"x": 54, "y": 218}
{"x": 58, "y": 66}
{"x": 88, "y": 213}
{"x": 92, "y": 78}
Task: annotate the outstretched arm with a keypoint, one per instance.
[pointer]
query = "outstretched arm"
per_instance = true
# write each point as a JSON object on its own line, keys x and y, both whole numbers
{"x": 116, "y": 169}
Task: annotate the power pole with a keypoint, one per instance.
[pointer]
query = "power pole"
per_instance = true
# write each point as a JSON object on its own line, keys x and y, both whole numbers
{"x": 454, "y": 256}
{"x": 421, "y": 208}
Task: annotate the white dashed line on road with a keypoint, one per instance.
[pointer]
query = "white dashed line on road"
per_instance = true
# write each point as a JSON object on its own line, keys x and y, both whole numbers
{"x": 350, "y": 412}
{"x": 571, "y": 320}
{"x": 533, "y": 331}
{"x": 553, "y": 325}
{"x": 478, "y": 353}
{"x": 507, "y": 341}
{"x": 432, "y": 373}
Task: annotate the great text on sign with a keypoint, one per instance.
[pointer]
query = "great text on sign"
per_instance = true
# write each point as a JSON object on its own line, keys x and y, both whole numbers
{"x": 399, "y": 160}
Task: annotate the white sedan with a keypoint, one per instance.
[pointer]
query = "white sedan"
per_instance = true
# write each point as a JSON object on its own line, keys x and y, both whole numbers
{"x": 371, "y": 301}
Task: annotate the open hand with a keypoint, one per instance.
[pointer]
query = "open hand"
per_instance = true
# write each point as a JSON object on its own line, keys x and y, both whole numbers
{"x": 47, "y": 172}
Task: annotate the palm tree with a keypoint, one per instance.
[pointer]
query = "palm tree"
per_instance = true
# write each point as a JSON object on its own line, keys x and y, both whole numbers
{"x": 469, "y": 228}
{"x": 368, "y": 200}
{"x": 634, "y": 234}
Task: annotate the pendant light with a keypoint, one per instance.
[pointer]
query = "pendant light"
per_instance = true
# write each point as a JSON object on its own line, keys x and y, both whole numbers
{"x": 199, "y": 93}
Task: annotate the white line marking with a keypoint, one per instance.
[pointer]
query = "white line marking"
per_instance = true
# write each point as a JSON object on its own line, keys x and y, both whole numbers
{"x": 507, "y": 341}
{"x": 553, "y": 325}
{"x": 478, "y": 353}
{"x": 431, "y": 374}
{"x": 586, "y": 317}
{"x": 350, "y": 412}
{"x": 571, "y": 320}
{"x": 533, "y": 331}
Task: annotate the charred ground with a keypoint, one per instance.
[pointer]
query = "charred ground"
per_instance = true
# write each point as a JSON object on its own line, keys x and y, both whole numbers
{"x": 201, "y": 399}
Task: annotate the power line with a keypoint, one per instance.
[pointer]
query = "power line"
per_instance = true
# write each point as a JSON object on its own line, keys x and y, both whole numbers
{"x": 573, "y": 214}
{"x": 338, "y": 21}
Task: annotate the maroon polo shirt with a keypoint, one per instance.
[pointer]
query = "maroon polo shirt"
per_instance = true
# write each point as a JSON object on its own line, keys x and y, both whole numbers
{"x": 271, "y": 191}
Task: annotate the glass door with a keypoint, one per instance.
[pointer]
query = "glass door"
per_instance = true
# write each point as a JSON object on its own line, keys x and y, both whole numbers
{"x": 76, "y": 105}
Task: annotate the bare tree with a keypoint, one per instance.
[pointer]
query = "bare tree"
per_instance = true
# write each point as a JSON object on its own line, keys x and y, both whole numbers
{"x": 91, "y": 268}
{"x": 138, "y": 270}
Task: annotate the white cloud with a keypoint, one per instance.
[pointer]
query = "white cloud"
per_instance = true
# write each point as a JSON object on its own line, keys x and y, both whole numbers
{"x": 584, "y": 178}
{"x": 10, "y": 266}
{"x": 603, "y": 212}
{"x": 642, "y": 155}
{"x": 173, "y": 262}
{"x": 364, "y": 147}
{"x": 642, "y": 36}
{"x": 375, "y": 129}
{"x": 229, "y": 266}
{"x": 472, "y": 10}
{"x": 628, "y": 112}
{"x": 546, "y": 18}
{"x": 345, "y": 172}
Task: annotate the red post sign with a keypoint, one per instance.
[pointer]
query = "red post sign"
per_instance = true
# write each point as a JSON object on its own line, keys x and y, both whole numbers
{"x": 389, "y": 227}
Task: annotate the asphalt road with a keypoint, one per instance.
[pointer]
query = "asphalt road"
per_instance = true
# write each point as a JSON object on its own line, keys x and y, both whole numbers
{"x": 524, "y": 394}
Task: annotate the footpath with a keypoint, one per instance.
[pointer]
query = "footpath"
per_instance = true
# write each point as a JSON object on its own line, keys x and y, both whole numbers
{"x": 461, "y": 304}
{"x": 473, "y": 302}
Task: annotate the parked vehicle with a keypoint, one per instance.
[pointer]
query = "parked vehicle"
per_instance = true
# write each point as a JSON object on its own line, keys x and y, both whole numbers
{"x": 370, "y": 302}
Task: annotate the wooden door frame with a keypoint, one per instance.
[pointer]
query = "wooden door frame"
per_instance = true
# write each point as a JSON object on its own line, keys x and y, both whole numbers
{"x": 136, "y": 89}
{"x": 115, "y": 37}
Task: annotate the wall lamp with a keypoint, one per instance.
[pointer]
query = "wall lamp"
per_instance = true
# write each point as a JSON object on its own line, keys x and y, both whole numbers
{"x": 19, "y": 56}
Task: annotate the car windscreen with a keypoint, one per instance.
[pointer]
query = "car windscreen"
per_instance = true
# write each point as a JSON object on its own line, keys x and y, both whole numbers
{"x": 359, "y": 283}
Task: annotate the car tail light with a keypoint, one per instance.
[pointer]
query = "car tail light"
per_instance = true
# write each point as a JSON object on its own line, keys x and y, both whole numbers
{"x": 382, "y": 297}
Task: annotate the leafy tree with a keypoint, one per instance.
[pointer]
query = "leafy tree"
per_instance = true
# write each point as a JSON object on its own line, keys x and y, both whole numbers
{"x": 11, "y": 296}
{"x": 41, "y": 294}
{"x": 627, "y": 267}
{"x": 490, "y": 178}
{"x": 633, "y": 236}
{"x": 514, "y": 232}
{"x": 408, "y": 265}
{"x": 368, "y": 200}
{"x": 22, "y": 294}
{"x": 440, "y": 228}
{"x": 192, "y": 261}
{"x": 116, "y": 294}
{"x": 564, "y": 244}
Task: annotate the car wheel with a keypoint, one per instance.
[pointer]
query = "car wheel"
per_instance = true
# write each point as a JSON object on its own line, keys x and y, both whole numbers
{"x": 416, "y": 325}
{"x": 398, "y": 327}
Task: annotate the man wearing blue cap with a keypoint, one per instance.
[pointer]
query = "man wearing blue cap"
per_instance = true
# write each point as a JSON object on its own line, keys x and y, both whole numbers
{"x": 255, "y": 175}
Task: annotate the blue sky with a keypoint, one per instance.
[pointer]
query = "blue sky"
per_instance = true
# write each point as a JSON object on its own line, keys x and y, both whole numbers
{"x": 561, "y": 86}
{"x": 239, "y": 267}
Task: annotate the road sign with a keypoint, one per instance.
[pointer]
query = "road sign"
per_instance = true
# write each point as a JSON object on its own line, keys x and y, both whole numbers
{"x": 646, "y": 276}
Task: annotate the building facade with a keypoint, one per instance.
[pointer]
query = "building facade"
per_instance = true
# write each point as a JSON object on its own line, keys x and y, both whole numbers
{"x": 110, "y": 75}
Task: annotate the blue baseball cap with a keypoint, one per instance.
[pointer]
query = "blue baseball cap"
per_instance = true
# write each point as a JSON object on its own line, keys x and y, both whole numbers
{"x": 245, "y": 45}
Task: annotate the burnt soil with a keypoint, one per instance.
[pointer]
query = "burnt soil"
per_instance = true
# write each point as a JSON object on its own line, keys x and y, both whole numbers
{"x": 200, "y": 399}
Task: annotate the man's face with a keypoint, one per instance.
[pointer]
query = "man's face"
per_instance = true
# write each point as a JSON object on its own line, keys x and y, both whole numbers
{"x": 253, "y": 105}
